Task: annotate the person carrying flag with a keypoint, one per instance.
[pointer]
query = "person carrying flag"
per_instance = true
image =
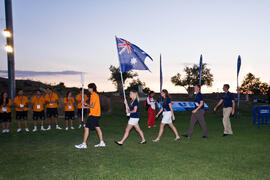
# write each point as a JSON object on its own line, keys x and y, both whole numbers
{"x": 38, "y": 103}
{"x": 51, "y": 99}
{"x": 93, "y": 118}
{"x": 133, "y": 110}
{"x": 21, "y": 103}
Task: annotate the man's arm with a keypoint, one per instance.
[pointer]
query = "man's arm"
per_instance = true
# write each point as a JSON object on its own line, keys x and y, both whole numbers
{"x": 233, "y": 107}
{"x": 218, "y": 104}
{"x": 201, "y": 104}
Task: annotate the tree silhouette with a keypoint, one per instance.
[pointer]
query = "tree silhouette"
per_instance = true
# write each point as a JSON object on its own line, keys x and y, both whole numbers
{"x": 116, "y": 77}
{"x": 253, "y": 85}
{"x": 134, "y": 85}
{"x": 192, "y": 78}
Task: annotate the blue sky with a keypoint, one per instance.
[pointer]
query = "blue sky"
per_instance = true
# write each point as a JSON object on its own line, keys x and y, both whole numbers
{"x": 78, "y": 35}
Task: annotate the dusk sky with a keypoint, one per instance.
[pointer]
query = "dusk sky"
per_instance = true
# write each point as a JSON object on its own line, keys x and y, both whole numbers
{"x": 79, "y": 35}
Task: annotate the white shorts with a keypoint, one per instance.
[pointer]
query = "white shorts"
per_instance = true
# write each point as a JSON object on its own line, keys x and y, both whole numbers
{"x": 167, "y": 117}
{"x": 133, "y": 121}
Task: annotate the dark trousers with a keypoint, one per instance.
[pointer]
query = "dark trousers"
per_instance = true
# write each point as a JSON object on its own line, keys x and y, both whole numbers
{"x": 198, "y": 116}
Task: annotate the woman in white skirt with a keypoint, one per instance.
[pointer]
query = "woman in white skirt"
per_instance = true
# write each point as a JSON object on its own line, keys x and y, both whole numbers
{"x": 168, "y": 116}
{"x": 133, "y": 110}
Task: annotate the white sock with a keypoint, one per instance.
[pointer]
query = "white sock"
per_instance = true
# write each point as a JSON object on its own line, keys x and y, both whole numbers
{"x": 41, "y": 127}
{"x": 84, "y": 143}
{"x": 35, "y": 127}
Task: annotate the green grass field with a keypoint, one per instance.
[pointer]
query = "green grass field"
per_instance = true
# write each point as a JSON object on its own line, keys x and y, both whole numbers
{"x": 51, "y": 155}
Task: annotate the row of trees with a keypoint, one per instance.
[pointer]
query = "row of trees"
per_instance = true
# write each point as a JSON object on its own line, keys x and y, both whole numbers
{"x": 250, "y": 84}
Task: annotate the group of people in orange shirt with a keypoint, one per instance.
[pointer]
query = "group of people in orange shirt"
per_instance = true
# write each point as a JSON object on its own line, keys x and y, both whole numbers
{"x": 39, "y": 103}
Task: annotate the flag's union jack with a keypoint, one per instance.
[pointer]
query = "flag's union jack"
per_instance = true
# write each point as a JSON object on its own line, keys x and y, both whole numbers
{"x": 130, "y": 56}
{"x": 125, "y": 45}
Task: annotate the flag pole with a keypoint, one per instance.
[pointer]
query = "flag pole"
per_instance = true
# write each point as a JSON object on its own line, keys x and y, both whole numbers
{"x": 122, "y": 79}
{"x": 82, "y": 99}
{"x": 238, "y": 91}
{"x": 161, "y": 77}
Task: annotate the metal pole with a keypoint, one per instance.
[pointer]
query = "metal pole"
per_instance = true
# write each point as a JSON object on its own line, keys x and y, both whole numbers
{"x": 10, "y": 55}
{"x": 82, "y": 99}
{"x": 238, "y": 100}
{"x": 121, "y": 74}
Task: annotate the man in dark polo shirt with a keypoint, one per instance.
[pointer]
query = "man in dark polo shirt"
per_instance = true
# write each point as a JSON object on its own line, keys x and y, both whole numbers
{"x": 228, "y": 109}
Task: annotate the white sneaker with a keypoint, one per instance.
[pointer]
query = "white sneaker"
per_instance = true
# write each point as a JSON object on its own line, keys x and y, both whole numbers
{"x": 58, "y": 127}
{"x": 80, "y": 126}
{"x": 49, "y": 128}
{"x": 42, "y": 128}
{"x": 26, "y": 130}
{"x": 66, "y": 128}
{"x": 101, "y": 144}
{"x": 35, "y": 129}
{"x": 3, "y": 131}
{"x": 19, "y": 130}
{"x": 72, "y": 127}
{"x": 7, "y": 130}
{"x": 81, "y": 146}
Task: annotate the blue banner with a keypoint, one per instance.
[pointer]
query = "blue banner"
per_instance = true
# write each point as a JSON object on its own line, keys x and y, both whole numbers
{"x": 238, "y": 64}
{"x": 184, "y": 106}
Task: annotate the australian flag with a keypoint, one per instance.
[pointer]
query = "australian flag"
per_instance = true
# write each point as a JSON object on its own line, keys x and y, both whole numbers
{"x": 131, "y": 56}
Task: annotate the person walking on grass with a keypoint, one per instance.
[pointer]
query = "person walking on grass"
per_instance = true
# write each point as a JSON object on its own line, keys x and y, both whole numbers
{"x": 69, "y": 109}
{"x": 21, "y": 103}
{"x": 5, "y": 112}
{"x": 197, "y": 113}
{"x": 51, "y": 99}
{"x": 38, "y": 103}
{"x": 168, "y": 116}
{"x": 151, "y": 109}
{"x": 134, "y": 118}
{"x": 228, "y": 109}
{"x": 79, "y": 107}
{"x": 93, "y": 118}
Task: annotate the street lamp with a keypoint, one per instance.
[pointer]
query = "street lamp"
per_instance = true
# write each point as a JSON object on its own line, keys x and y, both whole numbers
{"x": 8, "y": 48}
{"x": 6, "y": 33}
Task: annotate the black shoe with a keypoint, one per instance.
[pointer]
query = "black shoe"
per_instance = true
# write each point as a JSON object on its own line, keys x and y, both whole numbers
{"x": 118, "y": 143}
{"x": 144, "y": 142}
{"x": 205, "y": 137}
{"x": 225, "y": 135}
{"x": 185, "y": 135}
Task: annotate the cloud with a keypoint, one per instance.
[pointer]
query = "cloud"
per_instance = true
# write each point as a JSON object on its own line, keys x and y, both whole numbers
{"x": 21, "y": 73}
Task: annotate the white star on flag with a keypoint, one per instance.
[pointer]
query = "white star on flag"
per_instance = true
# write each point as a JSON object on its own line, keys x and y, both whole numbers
{"x": 133, "y": 61}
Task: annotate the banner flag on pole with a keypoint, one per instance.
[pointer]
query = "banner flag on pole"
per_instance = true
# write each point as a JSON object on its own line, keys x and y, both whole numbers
{"x": 161, "y": 77}
{"x": 238, "y": 64}
{"x": 200, "y": 70}
{"x": 238, "y": 70}
{"x": 131, "y": 57}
